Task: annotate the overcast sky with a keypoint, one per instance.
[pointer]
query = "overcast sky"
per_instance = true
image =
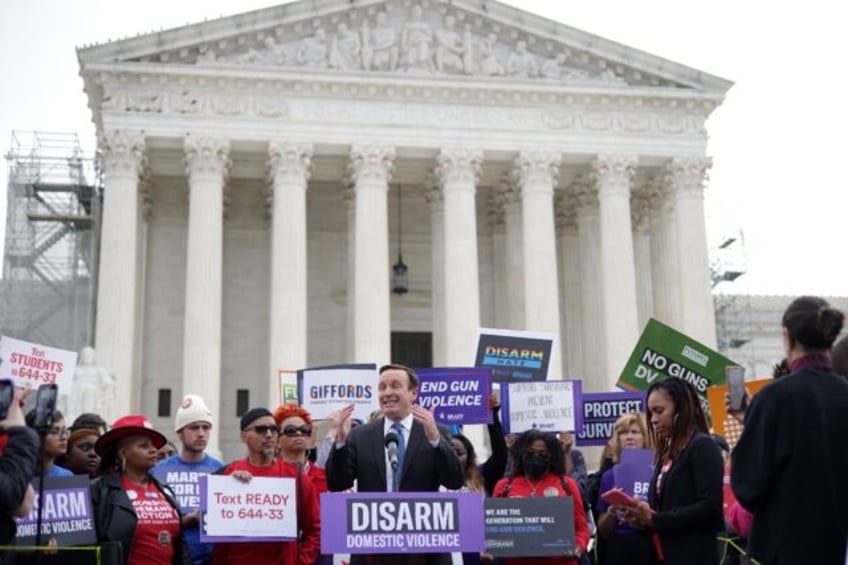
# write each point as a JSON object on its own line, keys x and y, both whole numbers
{"x": 777, "y": 142}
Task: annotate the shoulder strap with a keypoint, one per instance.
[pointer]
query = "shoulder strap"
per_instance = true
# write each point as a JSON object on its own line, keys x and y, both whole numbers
{"x": 564, "y": 484}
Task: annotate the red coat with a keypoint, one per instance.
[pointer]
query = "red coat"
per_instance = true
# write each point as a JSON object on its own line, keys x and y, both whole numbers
{"x": 520, "y": 487}
{"x": 276, "y": 553}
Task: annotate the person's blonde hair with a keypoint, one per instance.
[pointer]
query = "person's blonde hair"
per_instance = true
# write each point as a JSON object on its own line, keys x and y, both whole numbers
{"x": 623, "y": 424}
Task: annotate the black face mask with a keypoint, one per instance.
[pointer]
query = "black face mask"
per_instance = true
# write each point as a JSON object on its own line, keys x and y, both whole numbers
{"x": 535, "y": 466}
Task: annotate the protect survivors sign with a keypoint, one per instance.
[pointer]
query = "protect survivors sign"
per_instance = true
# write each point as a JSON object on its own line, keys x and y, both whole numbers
{"x": 602, "y": 409}
{"x": 371, "y": 522}
{"x": 663, "y": 352}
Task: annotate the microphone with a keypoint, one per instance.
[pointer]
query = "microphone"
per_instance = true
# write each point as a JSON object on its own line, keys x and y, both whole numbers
{"x": 392, "y": 440}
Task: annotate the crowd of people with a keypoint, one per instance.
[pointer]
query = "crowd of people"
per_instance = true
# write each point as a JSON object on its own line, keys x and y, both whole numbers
{"x": 786, "y": 471}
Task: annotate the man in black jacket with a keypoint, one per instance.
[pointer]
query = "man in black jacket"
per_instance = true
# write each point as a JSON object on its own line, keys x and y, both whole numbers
{"x": 18, "y": 455}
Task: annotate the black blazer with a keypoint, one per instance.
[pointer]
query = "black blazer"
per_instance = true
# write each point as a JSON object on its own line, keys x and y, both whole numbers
{"x": 425, "y": 469}
{"x": 688, "y": 511}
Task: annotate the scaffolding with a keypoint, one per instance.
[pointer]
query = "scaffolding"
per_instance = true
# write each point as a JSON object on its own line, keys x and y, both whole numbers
{"x": 733, "y": 312}
{"x": 54, "y": 197}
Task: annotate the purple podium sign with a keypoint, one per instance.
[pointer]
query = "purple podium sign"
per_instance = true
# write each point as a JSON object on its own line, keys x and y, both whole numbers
{"x": 401, "y": 522}
{"x": 600, "y": 411}
{"x": 67, "y": 515}
{"x": 460, "y": 395}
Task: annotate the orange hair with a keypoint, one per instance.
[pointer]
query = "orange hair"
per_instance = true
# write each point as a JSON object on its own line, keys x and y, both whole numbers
{"x": 286, "y": 411}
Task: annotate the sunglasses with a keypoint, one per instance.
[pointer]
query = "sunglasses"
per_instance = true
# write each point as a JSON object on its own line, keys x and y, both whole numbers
{"x": 291, "y": 431}
{"x": 262, "y": 430}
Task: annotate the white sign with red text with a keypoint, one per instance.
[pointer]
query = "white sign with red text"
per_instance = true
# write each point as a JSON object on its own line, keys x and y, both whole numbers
{"x": 264, "y": 508}
{"x": 30, "y": 364}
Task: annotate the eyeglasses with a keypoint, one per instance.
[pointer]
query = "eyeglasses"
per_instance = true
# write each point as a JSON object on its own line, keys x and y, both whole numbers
{"x": 291, "y": 431}
{"x": 59, "y": 432}
{"x": 263, "y": 430}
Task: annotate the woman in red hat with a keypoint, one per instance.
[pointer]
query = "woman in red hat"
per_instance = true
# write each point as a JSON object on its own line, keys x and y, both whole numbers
{"x": 130, "y": 506}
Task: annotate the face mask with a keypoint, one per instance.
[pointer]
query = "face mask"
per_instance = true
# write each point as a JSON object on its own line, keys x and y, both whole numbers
{"x": 535, "y": 466}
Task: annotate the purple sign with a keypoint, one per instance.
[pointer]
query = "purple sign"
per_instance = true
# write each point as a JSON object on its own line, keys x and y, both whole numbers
{"x": 634, "y": 472}
{"x": 459, "y": 395}
{"x": 401, "y": 522}
{"x": 601, "y": 410}
{"x": 66, "y": 515}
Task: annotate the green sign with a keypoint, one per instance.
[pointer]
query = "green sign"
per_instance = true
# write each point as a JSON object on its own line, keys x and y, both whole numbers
{"x": 665, "y": 352}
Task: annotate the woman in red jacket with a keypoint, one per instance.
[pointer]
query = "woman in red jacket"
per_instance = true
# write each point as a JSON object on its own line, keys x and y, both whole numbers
{"x": 539, "y": 470}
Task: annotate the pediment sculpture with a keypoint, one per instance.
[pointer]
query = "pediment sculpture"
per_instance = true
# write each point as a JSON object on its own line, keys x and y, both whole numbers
{"x": 412, "y": 42}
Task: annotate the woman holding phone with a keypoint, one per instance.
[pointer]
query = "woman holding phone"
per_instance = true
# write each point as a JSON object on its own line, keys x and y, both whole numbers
{"x": 684, "y": 509}
{"x": 622, "y": 544}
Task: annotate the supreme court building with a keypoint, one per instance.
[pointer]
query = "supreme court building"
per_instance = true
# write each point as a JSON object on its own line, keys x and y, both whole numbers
{"x": 264, "y": 171}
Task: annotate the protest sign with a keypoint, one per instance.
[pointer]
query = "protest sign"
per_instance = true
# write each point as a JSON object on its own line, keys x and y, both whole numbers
{"x": 663, "y": 352}
{"x": 265, "y": 509}
{"x": 549, "y": 406}
{"x": 67, "y": 515}
{"x": 459, "y": 395}
{"x": 600, "y": 411}
{"x": 184, "y": 480}
{"x": 30, "y": 364}
{"x": 515, "y": 356}
{"x": 633, "y": 473}
{"x": 723, "y": 424}
{"x": 401, "y": 522}
{"x": 529, "y": 527}
{"x": 288, "y": 387}
{"x": 325, "y": 389}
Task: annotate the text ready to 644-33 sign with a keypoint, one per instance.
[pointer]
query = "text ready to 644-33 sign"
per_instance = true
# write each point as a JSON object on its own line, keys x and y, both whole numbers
{"x": 264, "y": 509}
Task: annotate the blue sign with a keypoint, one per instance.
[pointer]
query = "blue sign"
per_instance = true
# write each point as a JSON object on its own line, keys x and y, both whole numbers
{"x": 459, "y": 395}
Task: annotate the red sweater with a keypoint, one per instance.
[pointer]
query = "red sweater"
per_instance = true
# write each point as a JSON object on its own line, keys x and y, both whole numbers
{"x": 276, "y": 553}
{"x": 521, "y": 487}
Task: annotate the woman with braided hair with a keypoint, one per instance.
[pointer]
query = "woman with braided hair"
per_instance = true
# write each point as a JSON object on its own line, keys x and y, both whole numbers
{"x": 788, "y": 468}
{"x": 684, "y": 508}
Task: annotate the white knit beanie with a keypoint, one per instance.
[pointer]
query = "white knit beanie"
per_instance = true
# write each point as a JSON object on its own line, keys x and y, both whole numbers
{"x": 192, "y": 409}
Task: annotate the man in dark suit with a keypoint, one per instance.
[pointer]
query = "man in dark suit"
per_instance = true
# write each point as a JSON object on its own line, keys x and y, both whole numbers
{"x": 428, "y": 460}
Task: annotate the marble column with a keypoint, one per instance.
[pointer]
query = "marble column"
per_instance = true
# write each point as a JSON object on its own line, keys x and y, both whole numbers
{"x": 640, "y": 216}
{"x": 435, "y": 202}
{"x": 207, "y": 165}
{"x": 665, "y": 267}
{"x": 611, "y": 175}
{"x": 349, "y": 197}
{"x": 370, "y": 168}
{"x": 118, "y": 306}
{"x": 458, "y": 171}
{"x": 592, "y": 313}
{"x": 535, "y": 175}
{"x": 571, "y": 308}
{"x": 698, "y": 317}
{"x": 514, "y": 253}
{"x": 500, "y": 270}
{"x": 289, "y": 167}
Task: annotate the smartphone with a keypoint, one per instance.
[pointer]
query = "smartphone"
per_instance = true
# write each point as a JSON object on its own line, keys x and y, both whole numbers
{"x": 736, "y": 387}
{"x": 45, "y": 406}
{"x": 7, "y": 394}
{"x": 618, "y": 497}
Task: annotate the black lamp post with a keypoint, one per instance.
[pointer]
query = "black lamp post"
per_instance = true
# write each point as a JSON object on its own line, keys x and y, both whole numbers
{"x": 400, "y": 277}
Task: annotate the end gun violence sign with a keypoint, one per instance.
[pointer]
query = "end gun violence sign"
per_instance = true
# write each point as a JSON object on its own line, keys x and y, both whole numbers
{"x": 663, "y": 352}
{"x": 458, "y": 395}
